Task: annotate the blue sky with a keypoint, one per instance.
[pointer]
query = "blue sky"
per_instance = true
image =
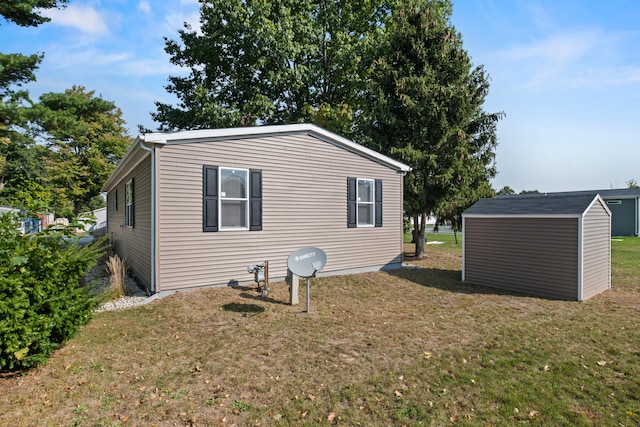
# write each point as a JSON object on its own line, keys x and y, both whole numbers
{"x": 566, "y": 73}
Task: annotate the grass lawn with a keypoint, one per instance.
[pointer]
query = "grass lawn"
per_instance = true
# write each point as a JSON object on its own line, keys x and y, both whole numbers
{"x": 410, "y": 347}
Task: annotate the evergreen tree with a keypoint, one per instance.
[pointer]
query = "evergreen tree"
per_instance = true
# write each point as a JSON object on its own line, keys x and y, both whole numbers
{"x": 86, "y": 138}
{"x": 21, "y": 180}
{"x": 426, "y": 103}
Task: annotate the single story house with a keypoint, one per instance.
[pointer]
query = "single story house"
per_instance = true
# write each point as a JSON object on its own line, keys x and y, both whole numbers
{"x": 550, "y": 245}
{"x": 94, "y": 222}
{"x": 195, "y": 208}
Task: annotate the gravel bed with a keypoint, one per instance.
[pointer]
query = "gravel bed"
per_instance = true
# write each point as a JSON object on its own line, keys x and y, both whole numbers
{"x": 134, "y": 295}
{"x": 124, "y": 302}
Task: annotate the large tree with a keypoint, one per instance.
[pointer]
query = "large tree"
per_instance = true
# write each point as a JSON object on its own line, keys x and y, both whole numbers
{"x": 20, "y": 168}
{"x": 260, "y": 62}
{"x": 86, "y": 137}
{"x": 28, "y": 13}
{"x": 426, "y": 102}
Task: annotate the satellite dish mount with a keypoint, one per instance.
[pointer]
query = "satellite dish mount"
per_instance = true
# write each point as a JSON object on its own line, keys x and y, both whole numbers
{"x": 306, "y": 262}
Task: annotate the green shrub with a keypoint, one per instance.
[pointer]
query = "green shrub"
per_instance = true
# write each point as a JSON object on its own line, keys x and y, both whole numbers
{"x": 42, "y": 300}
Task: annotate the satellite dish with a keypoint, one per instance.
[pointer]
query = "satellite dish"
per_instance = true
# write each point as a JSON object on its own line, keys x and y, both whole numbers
{"x": 306, "y": 262}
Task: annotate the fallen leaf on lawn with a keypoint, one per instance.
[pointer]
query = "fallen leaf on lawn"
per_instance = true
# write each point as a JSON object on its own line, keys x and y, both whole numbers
{"x": 304, "y": 414}
{"x": 454, "y": 418}
{"x": 546, "y": 368}
{"x": 427, "y": 355}
{"x": 311, "y": 397}
{"x": 534, "y": 414}
{"x": 398, "y": 394}
{"x": 602, "y": 362}
{"x": 331, "y": 416}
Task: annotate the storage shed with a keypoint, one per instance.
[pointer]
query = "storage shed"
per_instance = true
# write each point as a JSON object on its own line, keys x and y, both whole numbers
{"x": 556, "y": 246}
{"x": 195, "y": 208}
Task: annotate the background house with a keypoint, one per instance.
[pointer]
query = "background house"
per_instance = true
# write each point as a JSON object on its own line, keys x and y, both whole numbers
{"x": 195, "y": 208}
{"x": 551, "y": 245}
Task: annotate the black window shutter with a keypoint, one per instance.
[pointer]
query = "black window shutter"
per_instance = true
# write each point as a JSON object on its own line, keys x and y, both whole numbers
{"x": 209, "y": 198}
{"x": 255, "y": 200}
{"x": 352, "y": 202}
{"x": 378, "y": 203}
{"x": 133, "y": 202}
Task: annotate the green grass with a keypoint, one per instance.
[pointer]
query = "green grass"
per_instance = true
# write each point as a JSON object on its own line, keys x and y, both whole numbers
{"x": 413, "y": 347}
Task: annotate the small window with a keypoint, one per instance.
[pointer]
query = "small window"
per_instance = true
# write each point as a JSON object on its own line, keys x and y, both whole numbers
{"x": 234, "y": 199}
{"x": 129, "y": 204}
{"x": 614, "y": 202}
{"x": 365, "y": 202}
{"x": 115, "y": 200}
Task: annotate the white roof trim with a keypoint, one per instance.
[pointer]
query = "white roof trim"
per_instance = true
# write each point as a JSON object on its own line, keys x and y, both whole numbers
{"x": 194, "y": 136}
{"x": 602, "y": 201}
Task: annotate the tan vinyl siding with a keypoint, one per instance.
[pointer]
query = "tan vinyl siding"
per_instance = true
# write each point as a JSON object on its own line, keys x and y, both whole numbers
{"x": 136, "y": 240}
{"x": 304, "y": 186}
{"x": 537, "y": 256}
{"x": 596, "y": 251}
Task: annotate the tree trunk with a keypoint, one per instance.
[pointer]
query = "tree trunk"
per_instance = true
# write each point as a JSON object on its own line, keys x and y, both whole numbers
{"x": 455, "y": 236}
{"x": 419, "y": 233}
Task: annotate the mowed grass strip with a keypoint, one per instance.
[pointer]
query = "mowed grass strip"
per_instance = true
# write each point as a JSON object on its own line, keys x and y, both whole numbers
{"x": 410, "y": 347}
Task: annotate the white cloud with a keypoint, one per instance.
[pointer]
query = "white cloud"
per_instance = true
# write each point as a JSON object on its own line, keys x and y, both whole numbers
{"x": 84, "y": 18}
{"x": 560, "y": 48}
{"x": 145, "y": 8}
{"x": 573, "y": 59}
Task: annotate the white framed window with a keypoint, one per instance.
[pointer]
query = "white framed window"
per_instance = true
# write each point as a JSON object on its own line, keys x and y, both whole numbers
{"x": 366, "y": 202}
{"x": 614, "y": 202}
{"x": 234, "y": 199}
{"x": 129, "y": 204}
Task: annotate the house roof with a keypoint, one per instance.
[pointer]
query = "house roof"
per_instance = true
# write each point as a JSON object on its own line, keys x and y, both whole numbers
{"x": 551, "y": 204}
{"x": 136, "y": 153}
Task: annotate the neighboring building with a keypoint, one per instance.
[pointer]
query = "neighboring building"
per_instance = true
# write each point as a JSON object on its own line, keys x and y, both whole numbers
{"x": 624, "y": 204}
{"x": 551, "y": 245}
{"x": 94, "y": 222}
{"x": 195, "y": 208}
{"x": 28, "y": 224}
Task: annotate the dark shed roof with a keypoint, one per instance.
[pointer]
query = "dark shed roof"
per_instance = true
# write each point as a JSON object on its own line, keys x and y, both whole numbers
{"x": 534, "y": 204}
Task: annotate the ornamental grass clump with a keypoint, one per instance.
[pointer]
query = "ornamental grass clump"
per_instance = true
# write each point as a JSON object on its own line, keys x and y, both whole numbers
{"x": 117, "y": 271}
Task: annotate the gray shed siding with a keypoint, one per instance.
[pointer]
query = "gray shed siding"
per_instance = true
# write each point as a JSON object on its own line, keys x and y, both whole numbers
{"x": 137, "y": 239}
{"x": 536, "y": 256}
{"x": 596, "y": 251}
{"x": 304, "y": 184}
